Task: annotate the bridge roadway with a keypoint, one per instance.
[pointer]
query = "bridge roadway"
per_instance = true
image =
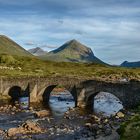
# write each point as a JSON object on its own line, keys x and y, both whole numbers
{"x": 82, "y": 90}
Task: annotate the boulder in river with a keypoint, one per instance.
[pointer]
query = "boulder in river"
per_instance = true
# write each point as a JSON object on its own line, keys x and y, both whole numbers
{"x": 120, "y": 115}
{"x": 14, "y": 131}
{"x": 31, "y": 127}
{"x": 27, "y": 127}
{"x": 42, "y": 113}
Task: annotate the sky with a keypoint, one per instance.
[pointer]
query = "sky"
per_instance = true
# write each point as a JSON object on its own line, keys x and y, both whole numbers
{"x": 111, "y": 28}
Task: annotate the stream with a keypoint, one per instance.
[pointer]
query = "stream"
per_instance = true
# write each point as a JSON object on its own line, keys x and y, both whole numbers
{"x": 60, "y": 103}
{"x": 104, "y": 103}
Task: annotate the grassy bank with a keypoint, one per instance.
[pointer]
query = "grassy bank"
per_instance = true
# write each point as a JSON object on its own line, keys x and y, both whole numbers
{"x": 31, "y": 66}
{"x": 130, "y": 130}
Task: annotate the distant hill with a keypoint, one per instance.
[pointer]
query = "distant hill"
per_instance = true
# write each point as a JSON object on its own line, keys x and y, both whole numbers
{"x": 130, "y": 64}
{"x": 37, "y": 51}
{"x": 8, "y": 46}
{"x": 72, "y": 51}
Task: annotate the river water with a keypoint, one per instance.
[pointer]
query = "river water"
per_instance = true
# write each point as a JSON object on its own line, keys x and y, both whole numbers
{"x": 107, "y": 104}
{"x": 59, "y": 104}
{"x": 104, "y": 103}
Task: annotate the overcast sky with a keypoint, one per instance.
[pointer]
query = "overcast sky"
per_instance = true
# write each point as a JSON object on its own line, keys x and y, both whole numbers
{"x": 110, "y": 27}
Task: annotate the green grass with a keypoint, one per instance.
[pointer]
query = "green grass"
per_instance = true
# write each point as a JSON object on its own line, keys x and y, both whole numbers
{"x": 31, "y": 66}
{"x": 130, "y": 130}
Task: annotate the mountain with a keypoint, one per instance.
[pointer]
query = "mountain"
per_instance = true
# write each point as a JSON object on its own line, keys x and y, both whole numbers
{"x": 37, "y": 51}
{"x": 72, "y": 51}
{"x": 130, "y": 64}
{"x": 8, "y": 46}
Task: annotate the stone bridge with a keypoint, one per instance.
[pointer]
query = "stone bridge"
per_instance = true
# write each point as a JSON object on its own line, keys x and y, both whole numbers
{"x": 82, "y": 90}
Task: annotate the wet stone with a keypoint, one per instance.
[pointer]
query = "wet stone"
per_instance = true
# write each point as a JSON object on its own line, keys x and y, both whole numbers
{"x": 42, "y": 113}
{"x": 120, "y": 115}
{"x": 88, "y": 124}
{"x": 27, "y": 127}
{"x": 107, "y": 131}
{"x": 79, "y": 125}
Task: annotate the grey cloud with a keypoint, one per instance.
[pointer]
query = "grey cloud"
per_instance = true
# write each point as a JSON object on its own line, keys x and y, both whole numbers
{"x": 47, "y": 46}
{"x": 73, "y": 8}
{"x": 30, "y": 43}
{"x": 107, "y": 26}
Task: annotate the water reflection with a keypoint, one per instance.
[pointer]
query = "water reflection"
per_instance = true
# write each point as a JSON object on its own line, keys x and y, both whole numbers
{"x": 107, "y": 104}
{"x": 60, "y": 102}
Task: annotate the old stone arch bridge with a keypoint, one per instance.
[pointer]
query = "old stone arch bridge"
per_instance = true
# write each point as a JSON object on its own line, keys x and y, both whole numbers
{"x": 82, "y": 90}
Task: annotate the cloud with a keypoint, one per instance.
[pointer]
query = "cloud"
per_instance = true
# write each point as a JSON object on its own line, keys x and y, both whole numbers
{"x": 30, "y": 43}
{"x": 106, "y": 26}
{"x": 47, "y": 46}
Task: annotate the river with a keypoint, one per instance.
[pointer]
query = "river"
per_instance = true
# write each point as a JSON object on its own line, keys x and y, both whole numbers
{"x": 104, "y": 103}
{"x": 60, "y": 103}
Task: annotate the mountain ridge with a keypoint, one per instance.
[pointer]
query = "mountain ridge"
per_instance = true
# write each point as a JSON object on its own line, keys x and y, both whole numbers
{"x": 72, "y": 51}
{"x": 130, "y": 64}
{"x": 8, "y": 46}
{"x": 37, "y": 51}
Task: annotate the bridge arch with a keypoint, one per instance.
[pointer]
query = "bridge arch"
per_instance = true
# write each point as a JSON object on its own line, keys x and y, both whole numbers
{"x": 15, "y": 92}
{"x": 90, "y": 101}
{"x": 47, "y": 93}
{"x": 128, "y": 93}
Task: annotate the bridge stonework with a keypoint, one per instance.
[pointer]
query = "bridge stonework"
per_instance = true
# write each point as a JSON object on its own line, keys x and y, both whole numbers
{"x": 82, "y": 90}
{"x": 128, "y": 92}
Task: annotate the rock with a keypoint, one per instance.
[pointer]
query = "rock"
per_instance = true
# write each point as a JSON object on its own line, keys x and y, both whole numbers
{"x": 67, "y": 117}
{"x": 13, "y": 108}
{"x": 14, "y": 131}
{"x": 99, "y": 132}
{"x": 94, "y": 128}
{"x": 31, "y": 108}
{"x": 108, "y": 131}
{"x": 71, "y": 109}
{"x": 113, "y": 136}
{"x": 88, "y": 124}
{"x": 1, "y": 131}
{"x": 48, "y": 119}
{"x": 66, "y": 113}
{"x": 100, "y": 126}
{"x": 97, "y": 119}
{"x": 10, "y": 106}
{"x": 106, "y": 121}
{"x": 120, "y": 115}
{"x": 12, "y": 113}
{"x": 42, "y": 113}
{"x": 116, "y": 117}
{"x": 31, "y": 126}
{"x": 1, "y": 108}
{"x": 27, "y": 127}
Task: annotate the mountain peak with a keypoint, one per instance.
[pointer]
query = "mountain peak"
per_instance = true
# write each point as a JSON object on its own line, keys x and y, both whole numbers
{"x": 37, "y": 48}
{"x": 37, "y": 51}
{"x": 73, "y": 46}
{"x": 130, "y": 64}
{"x": 73, "y": 41}
{"x": 73, "y": 51}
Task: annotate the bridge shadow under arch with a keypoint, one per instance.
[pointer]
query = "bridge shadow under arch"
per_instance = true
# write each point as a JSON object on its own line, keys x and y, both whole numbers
{"x": 15, "y": 93}
{"x": 46, "y": 94}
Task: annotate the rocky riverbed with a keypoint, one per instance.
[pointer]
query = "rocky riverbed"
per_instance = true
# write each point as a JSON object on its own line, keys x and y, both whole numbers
{"x": 39, "y": 123}
{"x": 74, "y": 125}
